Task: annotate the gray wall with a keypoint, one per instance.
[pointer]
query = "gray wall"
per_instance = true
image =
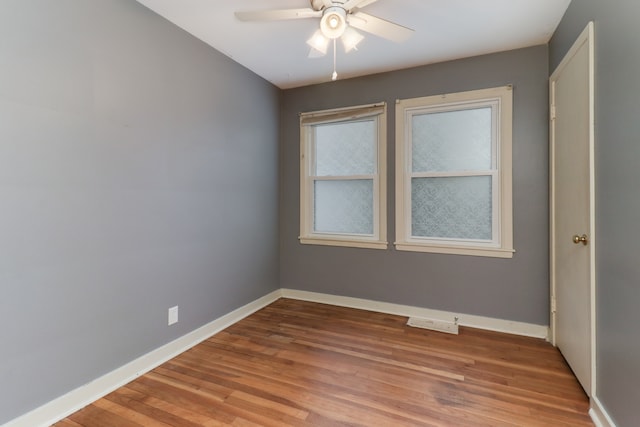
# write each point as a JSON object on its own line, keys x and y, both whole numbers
{"x": 514, "y": 289}
{"x": 138, "y": 170}
{"x": 617, "y": 38}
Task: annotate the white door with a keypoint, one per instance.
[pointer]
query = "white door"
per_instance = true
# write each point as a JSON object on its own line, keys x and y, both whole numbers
{"x": 572, "y": 209}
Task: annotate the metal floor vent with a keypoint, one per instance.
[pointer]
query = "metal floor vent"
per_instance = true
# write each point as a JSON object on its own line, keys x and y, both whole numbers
{"x": 435, "y": 325}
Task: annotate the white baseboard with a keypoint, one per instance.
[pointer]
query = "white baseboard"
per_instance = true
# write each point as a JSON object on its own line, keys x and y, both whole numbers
{"x": 599, "y": 415}
{"x": 77, "y": 399}
{"x": 499, "y": 325}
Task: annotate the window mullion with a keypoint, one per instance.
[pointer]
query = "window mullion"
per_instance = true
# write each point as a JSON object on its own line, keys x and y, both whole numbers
{"x": 342, "y": 177}
{"x": 448, "y": 174}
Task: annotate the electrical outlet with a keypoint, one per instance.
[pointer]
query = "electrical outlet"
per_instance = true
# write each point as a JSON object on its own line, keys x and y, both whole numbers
{"x": 173, "y": 315}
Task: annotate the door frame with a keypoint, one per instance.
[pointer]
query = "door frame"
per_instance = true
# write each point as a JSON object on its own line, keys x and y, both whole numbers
{"x": 587, "y": 36}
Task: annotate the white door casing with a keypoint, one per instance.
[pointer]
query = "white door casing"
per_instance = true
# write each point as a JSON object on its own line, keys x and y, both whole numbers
{"x": 572, "y": 209}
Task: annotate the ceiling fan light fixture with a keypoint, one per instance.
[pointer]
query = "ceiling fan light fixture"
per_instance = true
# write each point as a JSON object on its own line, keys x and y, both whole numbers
{"x": 333, "y": 22}
{"x": 350, "y": 39}
{"x": 318, "y": 43}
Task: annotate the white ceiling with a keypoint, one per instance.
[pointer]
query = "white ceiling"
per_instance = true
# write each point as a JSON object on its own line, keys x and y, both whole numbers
{"x": 444, "y": 30}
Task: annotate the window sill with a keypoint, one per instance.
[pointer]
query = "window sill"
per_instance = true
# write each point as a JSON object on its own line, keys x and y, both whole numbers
{"x": 456, "y": 250}
{"x": 367, "y": 244}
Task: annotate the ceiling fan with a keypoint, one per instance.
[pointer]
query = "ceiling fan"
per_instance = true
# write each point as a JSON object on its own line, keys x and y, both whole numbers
{"x": 338, "y": 20}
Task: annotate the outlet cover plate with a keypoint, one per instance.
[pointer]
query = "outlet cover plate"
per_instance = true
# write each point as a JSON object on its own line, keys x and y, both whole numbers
{"x": 173, "y": 315}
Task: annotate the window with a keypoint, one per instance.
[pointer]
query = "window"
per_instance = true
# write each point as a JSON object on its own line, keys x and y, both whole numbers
{"x": 343, "y": 177}
{"x": 453, "y": 173}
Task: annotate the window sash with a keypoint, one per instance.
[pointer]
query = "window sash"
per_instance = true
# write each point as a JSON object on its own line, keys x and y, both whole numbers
{"x": 313, "y": 148}
{"x": 442, "y": 111}
{"x": 492, "y": 172}
{"x": 495, "y": 214}
{"x": 313, "y": 210}
{"x": 500, "y": 102}
{"x": 346, "y": 117}
{"x": 309, "y": 178}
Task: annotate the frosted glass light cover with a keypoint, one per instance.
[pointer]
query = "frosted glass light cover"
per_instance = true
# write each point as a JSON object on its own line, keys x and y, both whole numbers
{"x": 452, "y": 141}
{"x": 345, "y": 148}
{"x": 343, "y": 206}
{"x": 452, "y": 207}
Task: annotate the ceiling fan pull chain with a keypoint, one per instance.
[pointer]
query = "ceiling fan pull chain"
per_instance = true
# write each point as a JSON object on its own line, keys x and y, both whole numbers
{"x": 334, "y": 76}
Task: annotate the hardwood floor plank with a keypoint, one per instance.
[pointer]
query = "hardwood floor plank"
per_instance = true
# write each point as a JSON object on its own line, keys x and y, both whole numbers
{"x": 385, "y": 361}
{"x": 270, "y": 404}
{"x": 68, "y": 423}
{"x": 168, "y": 410}
{"x": 303, "y": 364}
{"x": 93, "y": 415}
{"x": 134, "y": 413}
{"x": 176, "y": 396}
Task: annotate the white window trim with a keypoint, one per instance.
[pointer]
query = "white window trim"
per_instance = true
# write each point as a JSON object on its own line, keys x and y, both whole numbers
{"x": 307, "y": 236}
{"x": 501, "y": 245}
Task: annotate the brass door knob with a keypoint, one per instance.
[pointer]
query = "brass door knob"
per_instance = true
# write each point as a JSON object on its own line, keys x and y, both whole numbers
{"x": 581, "y": 239}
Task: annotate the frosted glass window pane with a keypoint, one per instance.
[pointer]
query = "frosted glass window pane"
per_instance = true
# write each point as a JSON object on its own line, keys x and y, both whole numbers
{"x": 452, "y": 141}
{"x": 343, "y": 206}
{"x": 345, "y": 148}
{"x": 451, "y": 207}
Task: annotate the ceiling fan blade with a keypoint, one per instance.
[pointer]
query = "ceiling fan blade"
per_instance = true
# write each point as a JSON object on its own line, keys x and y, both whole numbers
{"x": 352, "y": 4}
{"x": 278, "y": 14}
{"x": 379, "y": 27}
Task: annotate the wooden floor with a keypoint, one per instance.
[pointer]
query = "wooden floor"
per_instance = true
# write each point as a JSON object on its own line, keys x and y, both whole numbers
{"x": 304, "y": 364}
